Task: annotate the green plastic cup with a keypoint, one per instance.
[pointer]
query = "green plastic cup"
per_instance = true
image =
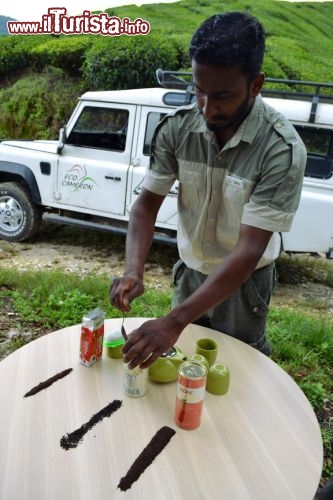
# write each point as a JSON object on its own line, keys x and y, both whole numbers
{"x": 207, "y": 348}
{"x": 218, "y": 379}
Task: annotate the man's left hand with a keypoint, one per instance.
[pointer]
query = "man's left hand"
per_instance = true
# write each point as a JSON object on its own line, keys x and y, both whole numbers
{"x": 152, "y": 339}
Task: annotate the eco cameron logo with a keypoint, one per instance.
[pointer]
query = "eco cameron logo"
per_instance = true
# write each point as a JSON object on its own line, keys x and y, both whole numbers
{"x": 76, "y": 177}
{"x": 56, "y": 22}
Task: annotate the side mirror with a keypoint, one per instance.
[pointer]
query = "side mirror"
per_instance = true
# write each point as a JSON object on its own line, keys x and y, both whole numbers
{"x": 62, "y": 139}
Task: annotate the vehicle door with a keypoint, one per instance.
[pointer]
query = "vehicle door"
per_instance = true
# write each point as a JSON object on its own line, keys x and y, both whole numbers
{"x": 312, "y": 229}
{"x": 149, "y": 119}
{"x": 93, "y": 164}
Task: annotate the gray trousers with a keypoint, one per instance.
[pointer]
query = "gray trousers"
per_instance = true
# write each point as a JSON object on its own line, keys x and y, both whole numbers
{"x": 243, "y": 315}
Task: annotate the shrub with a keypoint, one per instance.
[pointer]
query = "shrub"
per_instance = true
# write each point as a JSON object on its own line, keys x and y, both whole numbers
{"x": 67, "y": 53}
{"x": 15, "y": 54}
{"x": 119, "y": 63}
{"x": 32, "y": 109}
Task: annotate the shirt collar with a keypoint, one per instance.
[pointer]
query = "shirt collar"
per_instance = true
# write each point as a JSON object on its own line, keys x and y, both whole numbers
{"x": 253, "y": 120}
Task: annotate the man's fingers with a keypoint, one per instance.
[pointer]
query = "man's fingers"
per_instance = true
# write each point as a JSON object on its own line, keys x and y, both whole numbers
{"x": 119, "y": 303}
{"x": 119, "y": 297}
{"x": 150, "y": 360}
{"x": 133, "y": 338}
{"x": 132, "y": 294}
{"x": 137, "y": 351}
{"x": 147, "y": 343}
{"x": 123, "y": 291}
{"x": 142, "y": 360}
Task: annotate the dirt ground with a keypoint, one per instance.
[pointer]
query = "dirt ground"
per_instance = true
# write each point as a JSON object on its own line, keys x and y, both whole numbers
{"x": 84, "y": 252}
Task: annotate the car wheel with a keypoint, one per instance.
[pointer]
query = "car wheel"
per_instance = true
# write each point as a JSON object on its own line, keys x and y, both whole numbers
{"x": 20, "y": 218}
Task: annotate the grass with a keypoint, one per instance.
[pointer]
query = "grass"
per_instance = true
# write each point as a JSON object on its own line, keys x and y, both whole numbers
{"x": 303, "y": 346}
{"x": 57, "y": 299}
{"x": 302, "y": 343}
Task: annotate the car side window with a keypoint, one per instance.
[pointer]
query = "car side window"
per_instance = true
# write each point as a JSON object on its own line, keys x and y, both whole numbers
{"x": 319, "y": 143}
{"x": 153, "y": 120}
{"x": 101, "y": 128}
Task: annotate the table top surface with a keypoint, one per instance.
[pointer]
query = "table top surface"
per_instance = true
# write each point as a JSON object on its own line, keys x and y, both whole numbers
{"x": 260, "y": 441}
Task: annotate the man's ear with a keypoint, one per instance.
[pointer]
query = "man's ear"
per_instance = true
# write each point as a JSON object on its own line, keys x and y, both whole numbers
{"x": 257, "y": 84}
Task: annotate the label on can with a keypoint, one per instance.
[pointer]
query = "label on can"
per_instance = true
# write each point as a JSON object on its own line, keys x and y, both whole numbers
{"x": 190, "y": 395}
{"x": 135, "y": 382}
{"x": 92, "y": 334}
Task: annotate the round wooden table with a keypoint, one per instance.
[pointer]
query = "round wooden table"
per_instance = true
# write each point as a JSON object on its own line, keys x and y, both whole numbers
{"x": 261, "y": 441}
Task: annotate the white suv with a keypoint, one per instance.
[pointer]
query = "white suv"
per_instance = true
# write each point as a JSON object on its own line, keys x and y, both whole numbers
{"x": 93, "y": 174}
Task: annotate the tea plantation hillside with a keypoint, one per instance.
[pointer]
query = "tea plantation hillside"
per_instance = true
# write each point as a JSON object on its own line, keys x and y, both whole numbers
{"x": 42, "y": 76}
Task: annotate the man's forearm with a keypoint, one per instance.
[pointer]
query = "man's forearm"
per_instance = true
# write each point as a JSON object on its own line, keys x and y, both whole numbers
{"x": 138, "y": 242}
{"x": 141, "y": 232}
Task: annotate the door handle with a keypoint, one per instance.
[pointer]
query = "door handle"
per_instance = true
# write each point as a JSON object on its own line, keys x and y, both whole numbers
{"x": 113, "y": 178}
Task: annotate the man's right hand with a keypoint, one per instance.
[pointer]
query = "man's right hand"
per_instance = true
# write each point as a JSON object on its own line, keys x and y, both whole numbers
{"x": 123, "y": 290}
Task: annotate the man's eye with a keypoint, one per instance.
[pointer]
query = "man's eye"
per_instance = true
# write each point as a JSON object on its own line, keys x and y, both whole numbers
{"x": 218, "y": 97}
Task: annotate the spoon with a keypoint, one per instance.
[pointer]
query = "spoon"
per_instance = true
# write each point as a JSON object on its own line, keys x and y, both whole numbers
{"x": 122, "y": 329}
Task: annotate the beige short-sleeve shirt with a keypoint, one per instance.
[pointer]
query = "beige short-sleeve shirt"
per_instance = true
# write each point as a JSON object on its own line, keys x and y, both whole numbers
{"x": 255, "y": 179}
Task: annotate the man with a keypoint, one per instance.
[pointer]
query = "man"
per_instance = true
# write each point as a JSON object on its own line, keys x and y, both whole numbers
{"x": 240, "y": 168}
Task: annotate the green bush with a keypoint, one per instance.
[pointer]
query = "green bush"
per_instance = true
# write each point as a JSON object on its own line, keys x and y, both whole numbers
{"x": 67, "y": 53}
{"x": 121, "y": 63}
{"x": 15, "y": 54}
{"x": 36, "y": 106}
{"x": 292, "y": 58}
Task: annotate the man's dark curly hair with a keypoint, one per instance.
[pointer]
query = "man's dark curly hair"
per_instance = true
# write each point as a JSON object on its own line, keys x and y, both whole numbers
{"x": 230, "y": 38}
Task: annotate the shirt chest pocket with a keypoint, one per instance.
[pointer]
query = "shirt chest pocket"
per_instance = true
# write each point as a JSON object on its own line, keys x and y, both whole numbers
{"x": 234, "y": 189}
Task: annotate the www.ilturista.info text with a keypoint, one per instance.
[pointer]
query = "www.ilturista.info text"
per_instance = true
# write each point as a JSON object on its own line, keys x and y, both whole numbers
{"x": 56, "y": 22}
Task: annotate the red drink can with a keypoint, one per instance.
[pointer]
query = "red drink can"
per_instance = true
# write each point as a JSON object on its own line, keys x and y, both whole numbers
{"x": 190, "y": 394}
{"x": 92, "y": 334}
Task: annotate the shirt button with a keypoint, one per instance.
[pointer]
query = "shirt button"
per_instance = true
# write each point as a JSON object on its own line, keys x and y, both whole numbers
{"x": 278, "y": 125}
{"x": 255, "y": 309}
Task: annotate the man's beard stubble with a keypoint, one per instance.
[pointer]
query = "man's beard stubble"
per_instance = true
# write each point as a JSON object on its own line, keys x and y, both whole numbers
{"x": 234, "y": 122}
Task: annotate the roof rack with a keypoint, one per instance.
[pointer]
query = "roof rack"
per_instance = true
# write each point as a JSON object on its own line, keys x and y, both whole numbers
{"x": 316, "y": 85}
{"x": 315, "y": 96}
{"x": 182, "y": 80}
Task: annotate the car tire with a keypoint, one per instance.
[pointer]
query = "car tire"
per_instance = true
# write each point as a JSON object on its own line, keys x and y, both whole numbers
{"x": 20, "y": 218}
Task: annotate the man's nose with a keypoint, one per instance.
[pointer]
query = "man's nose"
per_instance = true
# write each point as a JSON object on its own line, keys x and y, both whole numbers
{"x": 208, "y": 106}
